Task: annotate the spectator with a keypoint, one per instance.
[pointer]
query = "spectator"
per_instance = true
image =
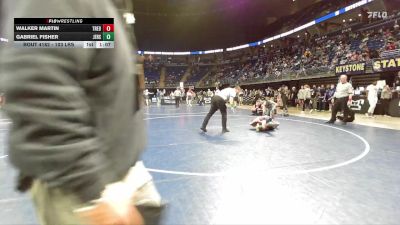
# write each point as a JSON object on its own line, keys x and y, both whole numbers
{"x": 146, "y": 95}
{"x": 321, "y": 98}
{"x": 329, "y": 96}
{"x": 209, "y": 93}
{"x": 158, "y": 95}
{"x": 390, "y": 46}
{"x": 372, "y": 93}
{"x": 386, "y": 95}
{"x": 189, "y": 97}
{"x": 284, "y": 95}
{"x": 293, "y": 96}
{"x": 314, "y": 97}
{"x": 307, "y": 98}
{"x": 201, "y": 96}
{"x": 396, "y": 26}
{"x": 241, "y": 95}
{"x": 301, "y": 97}
{"x": 307, "y": 53}
{"x": 293, "y": 60}
{"x": 396, "y": 82}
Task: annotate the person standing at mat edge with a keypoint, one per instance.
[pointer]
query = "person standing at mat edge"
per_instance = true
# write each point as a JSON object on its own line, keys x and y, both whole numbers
{"x": 218, "y": 102}
{"x": 342, "y": 97}
{"x": 78, "y": 125}
{"x": 386, "y": 95}
{"x": 372, "y": 93}
{"x": 177, "y": 94}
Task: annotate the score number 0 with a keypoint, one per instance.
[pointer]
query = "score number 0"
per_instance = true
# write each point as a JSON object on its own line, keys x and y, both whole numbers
{"x": 108, "y": 32}
{"x": 108, "y": 27}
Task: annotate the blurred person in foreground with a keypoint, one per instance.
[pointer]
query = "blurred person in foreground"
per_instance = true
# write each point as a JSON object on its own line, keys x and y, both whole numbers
{"x": 78, "y": 127}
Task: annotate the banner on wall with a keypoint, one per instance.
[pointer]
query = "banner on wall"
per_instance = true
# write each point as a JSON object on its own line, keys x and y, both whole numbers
{"x": 350, "y": 69}
{"x": 359, "y": 105}
{"x": 386, "y": 64}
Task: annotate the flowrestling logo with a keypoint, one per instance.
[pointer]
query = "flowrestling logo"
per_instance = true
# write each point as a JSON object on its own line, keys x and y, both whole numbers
{"x": 378, "y": 15}
{"x": 64, "y": 21}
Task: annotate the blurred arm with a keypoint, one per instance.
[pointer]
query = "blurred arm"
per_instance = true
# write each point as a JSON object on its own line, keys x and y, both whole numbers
{"x": 53, "y": 137}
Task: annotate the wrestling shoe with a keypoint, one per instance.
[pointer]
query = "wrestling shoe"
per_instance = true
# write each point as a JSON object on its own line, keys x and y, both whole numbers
{"x": 203, "y": 129}
{"x": 330, "y": 122}
{"x": 225, "y": 130}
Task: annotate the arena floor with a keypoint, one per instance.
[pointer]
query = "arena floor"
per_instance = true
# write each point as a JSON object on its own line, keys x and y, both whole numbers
{"x": 305, "y": 172}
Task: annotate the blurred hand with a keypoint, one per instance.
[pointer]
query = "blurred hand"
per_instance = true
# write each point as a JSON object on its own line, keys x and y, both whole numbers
{"x": 104, "y": 214}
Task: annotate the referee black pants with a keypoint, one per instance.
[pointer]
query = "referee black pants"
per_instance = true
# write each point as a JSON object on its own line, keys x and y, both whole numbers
{"x": 177, "y": 101}
{"x": 217, "y": 103}
{"x": 340, "y": 104}
{"x": 385, "y": 106}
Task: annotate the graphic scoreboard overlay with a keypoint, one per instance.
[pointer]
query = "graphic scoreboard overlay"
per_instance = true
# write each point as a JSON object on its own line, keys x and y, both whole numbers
{"x": 64, "y": 32}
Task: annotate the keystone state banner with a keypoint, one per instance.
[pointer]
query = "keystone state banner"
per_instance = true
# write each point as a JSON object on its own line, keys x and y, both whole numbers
{"x": 386, "y": 64}
{"x": 350, "y": 69}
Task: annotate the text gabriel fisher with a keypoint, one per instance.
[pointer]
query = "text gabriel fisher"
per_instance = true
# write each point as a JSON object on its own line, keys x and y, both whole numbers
{"x": 36, "y": 37}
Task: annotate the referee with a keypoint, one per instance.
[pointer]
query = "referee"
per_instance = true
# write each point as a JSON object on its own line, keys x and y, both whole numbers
{"x": 343, "y": 94}
{"x": 177, "y": 94}
{"x": 218, "y": 102}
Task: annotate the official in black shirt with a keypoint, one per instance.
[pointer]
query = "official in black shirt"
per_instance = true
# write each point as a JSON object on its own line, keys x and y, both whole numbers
{"x": 218, "y": 102}
{"x": 321, "y": 98}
